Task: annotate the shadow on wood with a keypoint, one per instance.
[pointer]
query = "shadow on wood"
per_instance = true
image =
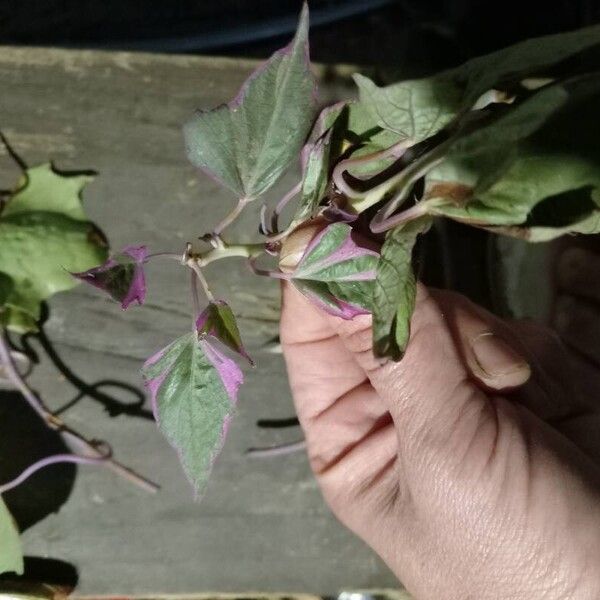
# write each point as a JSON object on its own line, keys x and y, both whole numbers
{"x": 113, "y": 405}
{"x": 24, "y": 439}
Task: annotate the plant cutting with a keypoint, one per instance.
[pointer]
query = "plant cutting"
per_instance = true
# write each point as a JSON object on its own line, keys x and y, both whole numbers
{"x": 496, "y": 143}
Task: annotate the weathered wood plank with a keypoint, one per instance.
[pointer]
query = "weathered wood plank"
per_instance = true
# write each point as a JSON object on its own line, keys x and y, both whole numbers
{"x": 262, "y": 525}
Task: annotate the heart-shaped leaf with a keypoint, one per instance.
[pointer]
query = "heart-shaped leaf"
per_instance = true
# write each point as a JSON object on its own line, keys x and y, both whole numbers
{"x": 193, "y": 388}
{"x": 248, "y": 143}
{"x": 337, "y": 273}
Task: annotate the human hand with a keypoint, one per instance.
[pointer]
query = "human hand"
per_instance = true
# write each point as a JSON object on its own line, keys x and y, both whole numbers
{"x": 460, "y": 475}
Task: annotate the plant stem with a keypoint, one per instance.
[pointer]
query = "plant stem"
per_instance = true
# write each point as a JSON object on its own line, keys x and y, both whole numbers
{"x": 405, "y": 178}
{"x": 171, "y": 255}
{"x": 403, "y": 181}
{"x": 199, "y": 275}
{"x": 231, "y": 217}
{"x": 395, "y": 151}
{"x": 282, "y": 204}
{"x": 46, "y": 462}
{"x": 412, "y": 213}
{"x": 76, "y": 441}
{"x": 195, "y": 297}
{"x": 266, "y": 272}
{"x": 283, "y": 234}
{"x": 273, "y": 451}
{"x": 228, "y": 251}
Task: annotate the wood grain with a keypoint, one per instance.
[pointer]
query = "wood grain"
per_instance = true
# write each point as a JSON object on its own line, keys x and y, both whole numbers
{"x": 263, "y": 524}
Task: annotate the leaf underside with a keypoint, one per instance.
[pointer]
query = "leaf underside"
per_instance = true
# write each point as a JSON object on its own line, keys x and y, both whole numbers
{"x": 521, "y": 161}
{"x": 248, "y": 143}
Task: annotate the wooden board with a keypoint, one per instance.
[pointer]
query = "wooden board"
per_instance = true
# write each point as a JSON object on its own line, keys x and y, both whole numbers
{"x": 263, "y": 524}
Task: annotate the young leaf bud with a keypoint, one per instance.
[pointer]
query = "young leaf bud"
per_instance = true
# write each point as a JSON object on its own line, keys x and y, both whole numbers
{"x": 295, "y": 244}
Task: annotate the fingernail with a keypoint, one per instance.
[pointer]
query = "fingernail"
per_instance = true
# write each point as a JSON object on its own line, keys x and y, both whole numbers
{"x": 496, "y": 358}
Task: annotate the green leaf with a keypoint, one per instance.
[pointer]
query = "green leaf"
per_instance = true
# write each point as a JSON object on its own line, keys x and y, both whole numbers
{"x": 44, "y": 188}
{"x": 6, "y": 288}
{"x": 11, "y": 555}
{"x": 337, "y": 273}
{"x": 218, "y": 321}
{"x": 576, "y": 211}
{"x": 537, "y": 57}
{"x": 334, "y": 255}
{"x": 368, "y": 138}
{"x": 536, "y": 150}
{"x": 414, "y": 109}
{"x": 395, "y": 290}
{"x": 43, "y": 236}
{"x": 315, "y": 181}
{"x": 193, "y": 388}
{"x": 248, "y": 143}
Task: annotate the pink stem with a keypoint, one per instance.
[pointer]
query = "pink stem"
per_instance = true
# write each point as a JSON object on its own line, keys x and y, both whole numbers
{"x": 379, "y": 224}
{"x": 278, "y": 210}
{"x": 46, "y": 462}
{"x": 395, "y": 151}
{"x": 195, "y": 296}
{"x": 76, "y": 440}
{"x": 272, "y": 451}
{"x": 231, "y": 217}
{"x": 266, "y": 229}
{"x": 286, "y": 199}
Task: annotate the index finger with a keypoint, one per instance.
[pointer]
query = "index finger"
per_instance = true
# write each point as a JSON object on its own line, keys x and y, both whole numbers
{"x": 320, "y": 367}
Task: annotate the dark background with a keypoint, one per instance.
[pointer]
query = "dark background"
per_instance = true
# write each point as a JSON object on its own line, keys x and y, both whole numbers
{"x": 413, "y": 36}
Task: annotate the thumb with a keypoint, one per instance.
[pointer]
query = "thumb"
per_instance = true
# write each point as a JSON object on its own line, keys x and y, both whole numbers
{"x": 453, "y": 344}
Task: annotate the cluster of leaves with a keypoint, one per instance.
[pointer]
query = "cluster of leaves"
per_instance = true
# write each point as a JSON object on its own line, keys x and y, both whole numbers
{"x": 497, "y": 143}
{"x": 44, "y": 233}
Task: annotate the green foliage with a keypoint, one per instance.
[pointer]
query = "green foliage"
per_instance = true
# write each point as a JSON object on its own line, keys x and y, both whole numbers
{"x": 414, "y": 109}
{"x": 497, "y": 175}
{"x": 193, "y": 389}
{"x": 558, "y": 55}
{"x": 248, "y": 143}
{"x": 11, "y": 554}
{"x": 219, "y": 322}
{"x": 395, "y": 290}
{"x": 44, "y": 234}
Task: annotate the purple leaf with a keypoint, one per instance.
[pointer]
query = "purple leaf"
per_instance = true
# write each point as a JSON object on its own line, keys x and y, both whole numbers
{"x": 193, "y": 388}
{"x": 218, "y": 321}
{"x": 321, "y": 296}
{"x": 122, "y": 276}
{"x": 334, "y": 255}
{"x": 337, "y": 273}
